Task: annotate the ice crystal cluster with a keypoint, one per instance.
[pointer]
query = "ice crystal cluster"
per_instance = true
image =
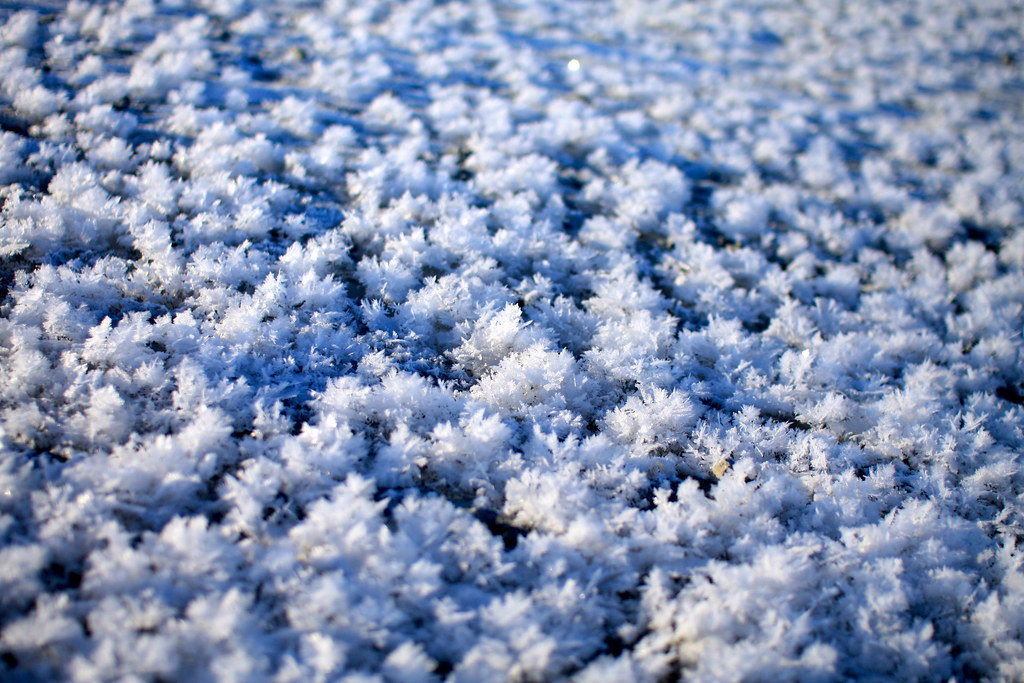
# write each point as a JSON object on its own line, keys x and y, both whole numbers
{"x": 511, "y": 341}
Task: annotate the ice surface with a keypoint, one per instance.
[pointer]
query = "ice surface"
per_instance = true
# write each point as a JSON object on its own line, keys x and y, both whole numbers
{"x": 482, "y": 341}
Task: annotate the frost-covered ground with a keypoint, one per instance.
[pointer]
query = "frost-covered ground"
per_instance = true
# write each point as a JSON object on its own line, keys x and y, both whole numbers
{"x": 511, "y": 340}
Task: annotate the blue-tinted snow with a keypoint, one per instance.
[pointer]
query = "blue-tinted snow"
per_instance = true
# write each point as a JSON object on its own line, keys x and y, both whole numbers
{"x": 486, "y": 341}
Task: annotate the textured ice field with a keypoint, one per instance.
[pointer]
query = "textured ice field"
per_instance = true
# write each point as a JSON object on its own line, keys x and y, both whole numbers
{"x": 486, "y": 341}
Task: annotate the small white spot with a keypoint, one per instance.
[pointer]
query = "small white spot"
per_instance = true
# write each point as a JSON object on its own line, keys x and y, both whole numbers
{"x": 573, "y": 65}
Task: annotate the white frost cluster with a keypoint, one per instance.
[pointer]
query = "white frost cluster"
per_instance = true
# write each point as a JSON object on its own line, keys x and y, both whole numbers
{"x": 484, "y": 341}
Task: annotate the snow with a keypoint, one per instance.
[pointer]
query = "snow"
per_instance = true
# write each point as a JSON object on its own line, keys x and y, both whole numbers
{"x": 625, "y": 340}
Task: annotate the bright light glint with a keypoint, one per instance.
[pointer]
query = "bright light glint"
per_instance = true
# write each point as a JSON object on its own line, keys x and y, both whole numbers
{"x": 574, "y": 65}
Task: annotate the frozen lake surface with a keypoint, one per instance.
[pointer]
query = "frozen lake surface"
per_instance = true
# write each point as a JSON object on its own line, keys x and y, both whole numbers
{"x": 483, "y": 341}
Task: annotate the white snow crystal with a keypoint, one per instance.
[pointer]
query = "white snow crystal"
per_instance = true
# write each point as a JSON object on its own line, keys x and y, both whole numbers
{"x": 474, "y": 341}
